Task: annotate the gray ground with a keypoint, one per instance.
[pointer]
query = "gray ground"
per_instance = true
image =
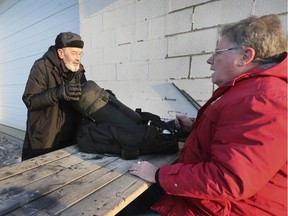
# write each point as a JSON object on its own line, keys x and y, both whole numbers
{"x": 10, "y": 149}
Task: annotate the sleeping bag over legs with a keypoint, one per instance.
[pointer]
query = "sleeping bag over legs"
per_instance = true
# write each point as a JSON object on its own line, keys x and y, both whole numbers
{"x": 110, "y": 127}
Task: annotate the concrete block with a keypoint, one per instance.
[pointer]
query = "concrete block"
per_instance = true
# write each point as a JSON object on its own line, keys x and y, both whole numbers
{"x": 182, "y": 4}
{"x": 192, "y": 42}
{"x": 92, "y": 26}
{"x": 141, "y": 31}
{"x": 110, "y": 20}
{"x": 121, "y": 16}
{"x": 92, "y": 57}
{"x": 174, "y": 68}
{"x": 180, "y": 21}
{"x": 140, "y": 51}
{"x": 150, "y": 50}
{"x": 88, "y": 72}
{"x": 126, "y": 15}
{"x": 104, "y": 72}
{"x": 199, "y": 67}
{"x": 117, "y": 54}
{"x": 120, "y": 87}
{"x": 263, "y": 7}
{"x": 157, "y": 27}
{"x": 139, "y": 89}
{"x": 145, "y": 10}
{"x": 220, "y": 12}
{"x": 87, "y": 43}
{"x": 124, "y": 53}
{"x": 125, "y": 34}
{"x": 158, "y": 48}
{"x": 284, "y": 21}
{"x": 132, "y": 71}
{"x": 104, "y": 39}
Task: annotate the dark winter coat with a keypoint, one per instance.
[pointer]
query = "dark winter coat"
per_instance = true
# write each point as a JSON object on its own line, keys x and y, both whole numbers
{"x": 51, "y": 124}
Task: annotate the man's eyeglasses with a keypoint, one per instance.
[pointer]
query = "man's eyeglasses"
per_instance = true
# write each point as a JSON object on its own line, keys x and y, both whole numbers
{"x": 76, "y": 54}
{"x": 73, "y": 53}
{"x": 216, "y": 52}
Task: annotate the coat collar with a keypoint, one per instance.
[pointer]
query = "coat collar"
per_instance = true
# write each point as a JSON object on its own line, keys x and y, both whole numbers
{"x": 279, "y": 70}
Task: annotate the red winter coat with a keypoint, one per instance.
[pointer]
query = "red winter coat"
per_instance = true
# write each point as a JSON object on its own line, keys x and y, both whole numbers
{"x": 234, "y": 161}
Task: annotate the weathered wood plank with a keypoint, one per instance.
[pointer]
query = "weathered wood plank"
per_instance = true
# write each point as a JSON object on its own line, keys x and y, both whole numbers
{"x": 30, "y": 176}
{"x": 68, "y": 182}
{"x": 110, "y": 199}
{"x": 63, "y": 198}
{"x": 14, "y": 169}
{"x": 22, "y": 196}
{"x": 113, "y": 197}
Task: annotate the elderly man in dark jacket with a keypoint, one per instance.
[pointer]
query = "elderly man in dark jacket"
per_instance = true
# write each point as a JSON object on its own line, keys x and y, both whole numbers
{"x": 53, "y": 85}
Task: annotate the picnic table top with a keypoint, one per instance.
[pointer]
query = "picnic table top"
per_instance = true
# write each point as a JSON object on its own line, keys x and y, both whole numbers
{"x": 70, "y": 182}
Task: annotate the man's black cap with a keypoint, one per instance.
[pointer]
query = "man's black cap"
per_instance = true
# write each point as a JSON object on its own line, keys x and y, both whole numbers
{"x": 68, "y": 39}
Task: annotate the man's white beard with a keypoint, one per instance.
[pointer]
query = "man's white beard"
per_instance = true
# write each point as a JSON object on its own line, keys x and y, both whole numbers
{"x": 72, "y": 68}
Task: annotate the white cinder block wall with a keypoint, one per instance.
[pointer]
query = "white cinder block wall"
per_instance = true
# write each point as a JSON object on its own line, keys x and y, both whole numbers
{"x": 137, "y": 48}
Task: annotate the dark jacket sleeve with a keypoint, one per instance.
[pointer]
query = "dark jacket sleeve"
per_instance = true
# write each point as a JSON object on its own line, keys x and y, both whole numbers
{"x": 38, "y": 94}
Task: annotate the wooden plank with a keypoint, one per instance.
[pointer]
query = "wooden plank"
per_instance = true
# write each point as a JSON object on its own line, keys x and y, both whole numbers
{"x": 72, "y": 183}
{"x": 22, "y": 196}
{"x": 28, "y": 177}
{"x": 61, "y": 199}
{"x": 128, "y": 192}
{"x": 113, "y": 197}
{"x": 110, "y": 199}
{"x": 14, "y": 169}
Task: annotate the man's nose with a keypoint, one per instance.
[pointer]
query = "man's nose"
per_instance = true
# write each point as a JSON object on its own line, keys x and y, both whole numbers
{"x": 210, "y": 60}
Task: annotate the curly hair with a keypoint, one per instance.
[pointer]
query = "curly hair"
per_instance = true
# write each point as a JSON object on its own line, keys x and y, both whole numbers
{"x": 264, "y": 34}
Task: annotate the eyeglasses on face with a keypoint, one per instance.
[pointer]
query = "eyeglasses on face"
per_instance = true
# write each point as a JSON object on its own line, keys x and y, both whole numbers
{"x": 216, "y": 52}
{"x": 73, "y": 53}
{"x": 76, "y": 54}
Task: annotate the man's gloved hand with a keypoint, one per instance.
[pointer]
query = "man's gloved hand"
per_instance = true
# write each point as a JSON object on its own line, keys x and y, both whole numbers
{"x": 69, "y": 92}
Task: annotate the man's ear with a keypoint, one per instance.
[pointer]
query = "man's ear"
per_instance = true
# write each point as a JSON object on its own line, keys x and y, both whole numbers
{"x": 60, "y": 53}
{"x": 248, "y": 55}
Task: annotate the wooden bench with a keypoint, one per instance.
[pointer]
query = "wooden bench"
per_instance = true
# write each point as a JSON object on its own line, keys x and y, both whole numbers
{"x": 72, "y": 183}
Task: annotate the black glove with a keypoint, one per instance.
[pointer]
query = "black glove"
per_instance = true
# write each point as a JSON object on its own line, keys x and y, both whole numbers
{"x": 69, "y": 92}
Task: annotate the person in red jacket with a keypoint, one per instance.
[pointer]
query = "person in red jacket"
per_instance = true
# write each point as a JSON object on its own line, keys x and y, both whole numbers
{"x": 234, "y": 161}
